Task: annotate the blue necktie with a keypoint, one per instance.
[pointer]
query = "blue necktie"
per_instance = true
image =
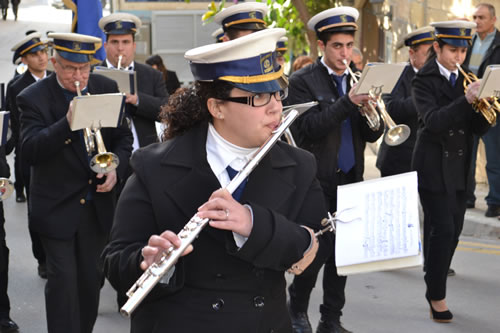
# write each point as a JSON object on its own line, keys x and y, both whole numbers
{"x": 453, "y": 79}
{"x": 346, "y": 150}
{"x": 239, "y": 190}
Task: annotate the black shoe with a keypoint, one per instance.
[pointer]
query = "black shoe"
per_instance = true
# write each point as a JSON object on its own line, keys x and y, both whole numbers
{"x": 8, "y": 325}
{"x": 42, "y": 271}
{"x": 470, "y": 204}
{"x": 330, "y": 326}
{"x": 20, "y": 197}
{"x": 300, "y": 321}
{"x": 451, "y": 272}
{"x": 439, "y": 316}
{"x": 493, "y": 210}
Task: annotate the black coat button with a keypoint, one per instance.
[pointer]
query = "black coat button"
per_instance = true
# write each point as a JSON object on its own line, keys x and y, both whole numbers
{"x": 218, "y": 304}
{"x": 460, "y": 152}
{"x": 450, "y": 132}
{"x": 461, "y": 131}
{"x": 258, "y": 302}
{"x": 445, "y": 153}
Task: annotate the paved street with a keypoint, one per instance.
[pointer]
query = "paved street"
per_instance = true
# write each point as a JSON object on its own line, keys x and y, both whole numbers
{"x": 376, "y": 302}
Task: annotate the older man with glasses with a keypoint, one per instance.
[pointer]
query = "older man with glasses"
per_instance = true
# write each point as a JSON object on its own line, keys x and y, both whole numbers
{"x": 71, "y": 206}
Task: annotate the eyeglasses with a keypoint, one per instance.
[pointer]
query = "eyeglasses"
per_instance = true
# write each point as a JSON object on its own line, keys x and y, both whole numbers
{"x": 85, "y": 69}
{"x": 260, "y": 99}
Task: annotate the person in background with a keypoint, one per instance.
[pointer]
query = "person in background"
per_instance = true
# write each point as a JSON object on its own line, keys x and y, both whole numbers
{"x": 144, "y": 106}
{"x": 234, "y": 278}
{"x": 281, "y": 49}
{"x": 218, "y": 35}
{"x": 485, "y": 50}
{"x": 33, "y": 53}
{"x": 241, "y": 19}
{"x": 302, "y": 61}
{"x": 171, "y": 81}
{"x": 357, "y": 58}
{"x": 72, "y": 207}
{"x": 336, "y": 133}
{"x": 443, "y": 152}
{"x": 6, "y": 323}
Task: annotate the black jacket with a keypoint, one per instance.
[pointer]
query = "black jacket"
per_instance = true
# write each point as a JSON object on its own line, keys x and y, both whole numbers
{"x": 60, "y": 172}
{"x": 225, "y": 289}
{"x": 492, "y": 56}
{"x": 172, "y": 82}
{"x": 318, "y": 130}
{"x": 446, "y": 123}
{"x": 152, "y": 95}
{"x": 392, "y": 160}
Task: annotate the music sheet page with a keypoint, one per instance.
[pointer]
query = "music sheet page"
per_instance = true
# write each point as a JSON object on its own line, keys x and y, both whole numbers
{"x": 379, "y": 220}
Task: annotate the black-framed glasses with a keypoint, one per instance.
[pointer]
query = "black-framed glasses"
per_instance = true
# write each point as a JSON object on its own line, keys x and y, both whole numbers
{"x": 259, "y": 99}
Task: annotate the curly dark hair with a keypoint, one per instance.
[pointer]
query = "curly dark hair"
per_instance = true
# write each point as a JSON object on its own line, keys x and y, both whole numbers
{"x": 187, "y": 107}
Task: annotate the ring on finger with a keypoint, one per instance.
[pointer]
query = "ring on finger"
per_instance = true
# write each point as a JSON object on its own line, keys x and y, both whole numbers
{"x": 227, "y": 213}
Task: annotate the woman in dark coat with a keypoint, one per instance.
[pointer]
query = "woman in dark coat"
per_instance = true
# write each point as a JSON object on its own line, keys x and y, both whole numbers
{"x": 442, "y": 153}
{"x": 170, "y": 77}
{"x": 233, "y": 280}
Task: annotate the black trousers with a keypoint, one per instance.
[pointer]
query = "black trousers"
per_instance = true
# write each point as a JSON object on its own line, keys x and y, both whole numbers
{"x": 333, "y": 284}
{"x": 74, "y": 276}
{"x": 443, "y": 223}
{"x": 4, "y": 268}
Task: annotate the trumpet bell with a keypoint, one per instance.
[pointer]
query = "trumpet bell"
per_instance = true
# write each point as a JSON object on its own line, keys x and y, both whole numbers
{"x": 397, "y": 135}
{"x": 104, "y": 162}
{"x": 6, "y": 188}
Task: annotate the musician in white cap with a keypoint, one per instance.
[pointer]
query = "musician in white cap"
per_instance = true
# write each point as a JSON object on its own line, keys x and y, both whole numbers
{"x": 72, "y": 207}
{"x": 336, "y": 133}
{"x": 397, "y": 159}
{"x": 242, "y": 19}
{"x": 144, "y": 106}
{"x": 442, "y": 154}
{"x": 281, "y": 49}
{"x": 218, "y": 35}
{"x": 32, "y": 52}
{"x": 233, "y": 280}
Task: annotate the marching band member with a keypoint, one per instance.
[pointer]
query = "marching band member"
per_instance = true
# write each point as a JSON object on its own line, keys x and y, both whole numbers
{"x": 33, "y": 52}
{"x": 71, "y": 207}
{"x": 443, "y": 152}
{"x": 143, "y": 107}
{"x": 233, "y": 280}
{"x": 397, "y": 159}
{"x": 241, "y": 19}
{"x": 336, "y": 133}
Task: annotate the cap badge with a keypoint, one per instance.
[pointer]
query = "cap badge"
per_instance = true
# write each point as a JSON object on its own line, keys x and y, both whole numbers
{"x": 343, "y": 18}
{"x": 77, "y": 46}
{"x": 266, "y": 63}
{"x": 462, "y": 32}
{"x": 252, "y": 15}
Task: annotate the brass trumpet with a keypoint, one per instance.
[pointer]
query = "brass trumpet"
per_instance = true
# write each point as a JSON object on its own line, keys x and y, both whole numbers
{"x": 489, "y": 111}
{"x": 6, "y": 188}
{"x": 395, "y": 134}
{"x": 103, "y": 161}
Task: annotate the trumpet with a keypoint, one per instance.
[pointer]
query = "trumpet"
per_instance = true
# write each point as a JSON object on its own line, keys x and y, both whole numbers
{"x": 6, "y": 188}
{"x": 489, "y": 111}
{"x": 395, "y": 134}
{"x": 195, "y": 225}
{"x": 119, "y": 61}
{"x": 103, "y": 161}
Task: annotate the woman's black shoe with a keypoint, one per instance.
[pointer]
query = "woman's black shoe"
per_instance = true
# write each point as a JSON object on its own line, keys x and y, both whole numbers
{"x": 439, "y": 316}
{"x": 7, "y": 325}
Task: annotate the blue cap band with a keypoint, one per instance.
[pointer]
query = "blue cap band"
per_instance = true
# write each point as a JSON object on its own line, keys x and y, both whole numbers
{"x": 75, "y": 57}
{"x": 335, "y": 21}
{"x": 240, "y": 18}
{"x": 420, "y": 38}
{"x": 120, "y": 28}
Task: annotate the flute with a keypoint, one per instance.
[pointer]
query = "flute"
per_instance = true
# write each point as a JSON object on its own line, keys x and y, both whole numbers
{"x": 188, "y": 234}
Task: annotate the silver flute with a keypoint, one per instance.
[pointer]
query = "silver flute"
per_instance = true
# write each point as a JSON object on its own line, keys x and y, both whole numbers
{"x": 188, "y": 234}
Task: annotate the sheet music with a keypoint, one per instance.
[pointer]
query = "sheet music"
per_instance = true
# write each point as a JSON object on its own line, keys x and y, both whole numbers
{"x": 4, "y": 127}
{"x": 490, "y": 83}
{"x": 125, "y": 79}
{"x": 105, "y": 110}
{"x": 379, "y": 76}
{"x": 383, "y": 220}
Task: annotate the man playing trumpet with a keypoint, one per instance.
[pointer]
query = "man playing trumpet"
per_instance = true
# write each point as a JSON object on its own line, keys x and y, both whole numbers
{"x": 71, "y": 206}
{"x": 336, "y": 133}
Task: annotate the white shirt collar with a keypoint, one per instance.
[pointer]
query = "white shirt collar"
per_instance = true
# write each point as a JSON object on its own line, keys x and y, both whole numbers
{"x": 445, "y": 72}
{"x": 221, "y": 153}
{"x": 130, "y": 67}
{"x": 331, "y": 71}
{"x": 37, "y": 78}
